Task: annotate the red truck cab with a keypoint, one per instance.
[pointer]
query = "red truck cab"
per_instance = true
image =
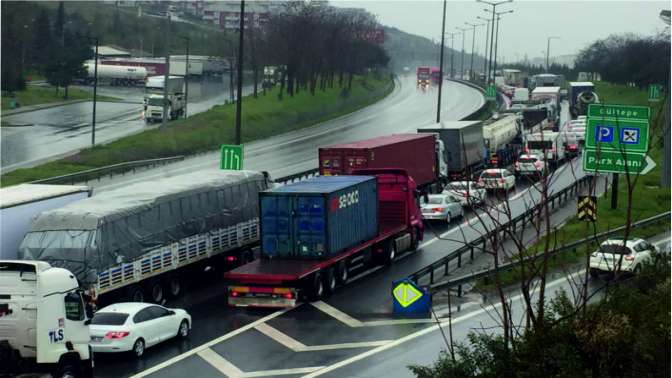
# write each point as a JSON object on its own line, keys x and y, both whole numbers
{"x": 281, "y": 281}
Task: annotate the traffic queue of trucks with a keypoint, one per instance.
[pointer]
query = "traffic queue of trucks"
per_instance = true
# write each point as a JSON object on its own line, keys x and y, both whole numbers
{"x": 144, "y": 241}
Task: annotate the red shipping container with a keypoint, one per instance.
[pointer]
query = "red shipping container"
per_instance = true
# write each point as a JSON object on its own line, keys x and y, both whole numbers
{"x": 416, "y": 153}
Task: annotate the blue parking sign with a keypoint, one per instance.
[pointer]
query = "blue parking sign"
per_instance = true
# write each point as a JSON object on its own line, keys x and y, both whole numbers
{"x": 604, "y": 134}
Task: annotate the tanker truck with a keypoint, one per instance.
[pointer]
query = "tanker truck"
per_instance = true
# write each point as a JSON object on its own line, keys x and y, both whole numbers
{"x": 581, "y": 94}
{"x": 115, "y": 75}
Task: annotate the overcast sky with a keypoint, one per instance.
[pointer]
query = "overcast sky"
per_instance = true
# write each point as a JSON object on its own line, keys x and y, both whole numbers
{"x": 525, "y": 31}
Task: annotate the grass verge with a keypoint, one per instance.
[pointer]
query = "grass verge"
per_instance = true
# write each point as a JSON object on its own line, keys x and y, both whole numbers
{"x": 263, "y": 117}
{"x": 648, "y": 198}
{"x": 35, "y": 95}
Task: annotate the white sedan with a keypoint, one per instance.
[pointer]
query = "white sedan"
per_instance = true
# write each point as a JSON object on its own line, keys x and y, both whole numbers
{"x": 468, "y": 192}
{"x": 135, "y": 326}
{"x": 613, "y": 256}
{"x": 497, "y": 179}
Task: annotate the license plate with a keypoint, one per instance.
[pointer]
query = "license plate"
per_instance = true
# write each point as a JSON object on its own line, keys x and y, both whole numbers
{"x": 426, "y": 211}
{"x": 96, "y": 339}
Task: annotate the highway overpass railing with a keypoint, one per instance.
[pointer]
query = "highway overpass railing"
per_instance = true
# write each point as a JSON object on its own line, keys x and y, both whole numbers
{"x": 110, "y": 170}
{"x": 440, "y": 268}
{"x": 464, "y": 279}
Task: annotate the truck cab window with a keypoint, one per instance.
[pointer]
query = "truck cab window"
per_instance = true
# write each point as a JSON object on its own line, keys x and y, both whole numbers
{"x": 74, "y": 308}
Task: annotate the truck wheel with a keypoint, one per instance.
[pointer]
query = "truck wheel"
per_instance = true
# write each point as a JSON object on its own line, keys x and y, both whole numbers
{"x": 135, "y": 294}
{"x": 316, "y": 288}
{"x": 156, "y": 291}
{"x": 329, "y": 281}
{"x": 174, "y": 287}
{"x": 342, "y": 273}
{"x": 69, "y": 370}
{"x": 139, "y": 347}
{"x": 391, "y": 253}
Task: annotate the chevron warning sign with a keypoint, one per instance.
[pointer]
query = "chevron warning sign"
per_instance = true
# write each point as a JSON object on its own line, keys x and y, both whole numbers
{"x": 587, "y": 210}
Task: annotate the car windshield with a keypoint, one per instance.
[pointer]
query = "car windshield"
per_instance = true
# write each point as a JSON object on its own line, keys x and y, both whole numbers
{"x": 434, "y": 201}
{"x": 457, "y": 186}
{"x": 615, "y": 249}
{"x": 528, "y": 160}
{"x": 109, "y": 318}
{"x": 492, "y": 174}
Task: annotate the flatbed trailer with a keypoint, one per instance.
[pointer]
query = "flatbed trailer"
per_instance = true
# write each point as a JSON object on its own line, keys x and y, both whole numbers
{"x": 282, "y": 282}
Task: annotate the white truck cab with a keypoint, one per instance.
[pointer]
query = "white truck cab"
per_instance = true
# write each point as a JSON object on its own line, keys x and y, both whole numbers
{"x": 43, "y": 321}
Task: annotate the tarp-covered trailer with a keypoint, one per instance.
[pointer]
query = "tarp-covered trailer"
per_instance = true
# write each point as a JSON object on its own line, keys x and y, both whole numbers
{"x": 464, "y": 147}
{"x": 147, "y": 236}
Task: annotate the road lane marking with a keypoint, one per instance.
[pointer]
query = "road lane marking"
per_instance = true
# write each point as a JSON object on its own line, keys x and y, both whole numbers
{"x": 425, "y": 331}
{"x": 337, "y": 314}
{"x": 280, "y": 337}
{"x": 207, "y": 345}
{"x": 298, "y": 346}
{"x": 270, "y": 373}
{"x": 220, "y": 363}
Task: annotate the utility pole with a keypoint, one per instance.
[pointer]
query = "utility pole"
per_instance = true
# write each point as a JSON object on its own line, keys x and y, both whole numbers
{"x": 239, "y": 99}
{"x": 452, "y": 53}
{"x": 164, "y": 118}
{"x": 186, "y": 78}
{"x": 485, "y": 50}
{"x": 473, "y": 44}
{"x": 95, "y": 91}
{"x": 548, "y": 51}
{"x": 462, "y": 30}
{"x": 492, "y": 22}
{"x": 499, "y": 17}
{"x": 443, "y": 30}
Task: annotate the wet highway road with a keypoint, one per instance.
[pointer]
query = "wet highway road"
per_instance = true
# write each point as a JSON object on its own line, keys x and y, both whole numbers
{"x": 45, "y": 134}
{"x": 404, "y": 110}
{"x": 354, "y": 322}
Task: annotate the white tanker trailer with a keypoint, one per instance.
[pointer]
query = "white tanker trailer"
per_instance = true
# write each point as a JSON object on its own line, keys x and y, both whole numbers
{"x": 116, "y": 75}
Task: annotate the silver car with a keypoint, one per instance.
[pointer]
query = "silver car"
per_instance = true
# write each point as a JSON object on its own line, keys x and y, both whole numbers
{"x": 445, "y": 207}
{"x": 468, "y": 192}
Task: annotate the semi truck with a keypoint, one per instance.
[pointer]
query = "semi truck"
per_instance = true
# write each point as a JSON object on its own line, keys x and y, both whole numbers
{"x": 547, "y": 144}
{"x": 547, "y": 80}
{"x": 464, "y": 149}
{"x": 423, "y": 76}
{"x": 317, "y": 233}
{"x": 421, "y": 155}
{"x": 581, "y": 94}
{"x": 22, "y": 203}
{"x": 500, "y": 135}
{"x": 435, "y": 75}
{"x": 115, "y": 75}
{"x": 43, "y": 321}
{"x": 145, "y": 240}
{"x": 154, "y": 98}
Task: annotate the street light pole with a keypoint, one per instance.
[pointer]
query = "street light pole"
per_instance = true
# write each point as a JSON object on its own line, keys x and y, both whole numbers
{"x": 95, "y": 92}
{"x": 548, "y": 50}
{"x": 492, "y": 22}
{"x": 462, "y": 30}
{"x": 186, "y": 78}
{"x": 239, "y": 99}
{"x": 473, "y": 44}
{"x": 499, "y": 17}
{"x": 443, "y": 30}
{"x": 164, "y": 115}
{"x": 485, "y": 50}
{"x": 452, "y": 54}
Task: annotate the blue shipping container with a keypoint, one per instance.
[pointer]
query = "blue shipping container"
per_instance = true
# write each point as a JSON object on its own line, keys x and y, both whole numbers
{"x": 320, "y": 217}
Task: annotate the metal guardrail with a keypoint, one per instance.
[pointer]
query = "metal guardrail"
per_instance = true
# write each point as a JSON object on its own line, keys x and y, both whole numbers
{"x": 513, "y": 264}
{"x": 110, "y": 170}
{"x": 481, "y": 242}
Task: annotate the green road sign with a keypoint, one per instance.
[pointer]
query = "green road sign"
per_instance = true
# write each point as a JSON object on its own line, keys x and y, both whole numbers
{"x": 616, "y": 162}
{"x": 620, "y": 112}
{"x": 232, "y": 157}
{"x": 654, "y": 93}
{"x": 609, "y": 134}
{"x": 491, "y": 92}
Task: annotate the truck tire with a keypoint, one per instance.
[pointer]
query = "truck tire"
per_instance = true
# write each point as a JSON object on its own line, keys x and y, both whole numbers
{"x": 342, "y": 273}
{"x": 135, "y": 294}
{"x": 155, "y": 291}
{"x": 174, "y": 286}
{"x": 329, "y": 281}
{"x": 69, "y": 370}
{"x": 316, "y": 289}
{"x": 390, "y": 253}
